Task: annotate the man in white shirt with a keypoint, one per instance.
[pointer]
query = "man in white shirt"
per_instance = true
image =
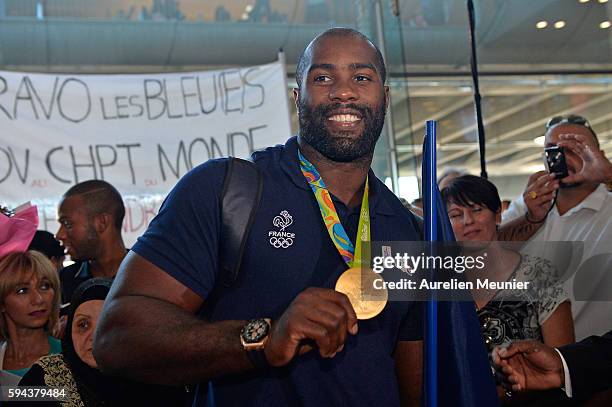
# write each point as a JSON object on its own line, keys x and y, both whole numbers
{"x": 582, "y": 213}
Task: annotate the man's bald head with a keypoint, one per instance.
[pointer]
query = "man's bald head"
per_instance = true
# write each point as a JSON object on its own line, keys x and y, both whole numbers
{"x": 305, "y": 56}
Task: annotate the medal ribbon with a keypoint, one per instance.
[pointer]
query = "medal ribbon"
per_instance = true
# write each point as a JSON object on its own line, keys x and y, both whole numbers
{"x": 352, "y": 255}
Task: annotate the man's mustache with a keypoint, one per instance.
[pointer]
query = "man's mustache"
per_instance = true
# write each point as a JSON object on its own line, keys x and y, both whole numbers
{"x": 325, "y": 110}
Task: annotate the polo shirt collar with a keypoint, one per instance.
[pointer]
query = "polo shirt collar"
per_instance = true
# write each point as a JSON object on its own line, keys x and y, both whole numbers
{"x": 83, "y": 271}
{"x": 594, "y": 201}
{"x": 290, "y": 164}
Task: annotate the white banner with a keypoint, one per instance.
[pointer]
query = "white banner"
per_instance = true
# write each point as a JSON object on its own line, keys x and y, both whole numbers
{"x": 141, "y": 133}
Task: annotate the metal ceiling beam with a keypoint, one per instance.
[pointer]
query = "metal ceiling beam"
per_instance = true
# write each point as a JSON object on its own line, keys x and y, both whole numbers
{"x": 501, "y": 115}
{"x": 497, "y": 117}
{"x": 523, "y": 129}
{"x": 517, "y": 166}
{"x": 492, "y": 119}
{"x": 415, "y": 127}
{"x": 538, "y": 123}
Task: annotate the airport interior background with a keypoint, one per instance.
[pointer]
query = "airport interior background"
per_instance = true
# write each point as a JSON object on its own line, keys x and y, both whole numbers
{"x": 536, "y": 59}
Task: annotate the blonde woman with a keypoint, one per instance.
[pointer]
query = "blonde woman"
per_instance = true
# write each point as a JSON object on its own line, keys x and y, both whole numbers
{"x": 29, "y": 307}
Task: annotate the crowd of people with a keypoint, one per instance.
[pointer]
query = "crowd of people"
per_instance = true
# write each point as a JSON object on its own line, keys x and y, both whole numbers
{"x": 167, "y": 332}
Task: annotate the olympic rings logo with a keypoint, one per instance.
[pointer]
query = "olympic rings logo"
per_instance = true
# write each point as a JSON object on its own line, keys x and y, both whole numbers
{"x": 281, "y": 242}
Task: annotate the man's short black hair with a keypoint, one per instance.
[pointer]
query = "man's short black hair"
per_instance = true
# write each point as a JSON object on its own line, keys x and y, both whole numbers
{"x": 468, "y": 190}
{"x": 100, "y": 197}
{"x": 339, "y": 32}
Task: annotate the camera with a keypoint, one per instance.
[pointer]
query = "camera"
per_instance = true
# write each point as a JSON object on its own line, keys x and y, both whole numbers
{"x": 555, "y": 161}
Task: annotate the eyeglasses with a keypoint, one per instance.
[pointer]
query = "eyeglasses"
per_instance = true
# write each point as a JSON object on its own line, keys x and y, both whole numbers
{"x": 571, "y": 119}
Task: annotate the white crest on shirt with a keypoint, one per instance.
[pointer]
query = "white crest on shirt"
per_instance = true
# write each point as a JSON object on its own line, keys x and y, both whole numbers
{"x": 280, "y": 239}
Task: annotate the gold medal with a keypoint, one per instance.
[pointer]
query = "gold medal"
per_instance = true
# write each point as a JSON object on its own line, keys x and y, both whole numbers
{"x": 367, "y": 300}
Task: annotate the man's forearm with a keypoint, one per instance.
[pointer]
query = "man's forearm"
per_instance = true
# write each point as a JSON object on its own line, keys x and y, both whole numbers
{"x": 154, "y": 341}
{"x": 518, "y": 230}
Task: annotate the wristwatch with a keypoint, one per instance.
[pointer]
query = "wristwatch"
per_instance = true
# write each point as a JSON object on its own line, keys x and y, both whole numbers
{"x": 254, "y": 334}
{"x": 253, "y": 337}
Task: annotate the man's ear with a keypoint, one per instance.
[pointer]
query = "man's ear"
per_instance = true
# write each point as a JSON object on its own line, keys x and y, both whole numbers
{"x": 386, "y": 98}
{"x": 102, "y": 222}
{"x": 498, "y": 217}
{"x": 296, "y": 98}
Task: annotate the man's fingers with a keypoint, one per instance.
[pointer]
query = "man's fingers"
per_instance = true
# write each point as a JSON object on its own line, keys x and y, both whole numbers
{"x": 305, "y": 347}
{"x": 343, "y": 301}
{"x": 503, "y": 378}
{"x": 330, "y": 312}
{"x": 545, "y": 199}
{"x": 537, "y": 193}
{"x": 334, "y": 321}
{"x": 516, "y": 347}
{"x": 572, "y": 145}
{"x": 322, "y": 317}
{"x": 543, "y": 179}
{"x": 495, "y": 355}
{"x": 338, "y": 298}
{"x": 579, "y": 138}
{"x": 535, "y": 176}
{"x": 351, "y": 315}
{"x": 320, "y": 335}
{"x": 544, "y": 184}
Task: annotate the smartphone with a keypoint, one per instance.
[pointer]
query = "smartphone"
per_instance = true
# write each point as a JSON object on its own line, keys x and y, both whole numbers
{"x": 555, "y": 161}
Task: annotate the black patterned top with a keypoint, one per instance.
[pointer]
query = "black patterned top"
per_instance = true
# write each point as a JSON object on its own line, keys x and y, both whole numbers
{"x": 519, "y": 314}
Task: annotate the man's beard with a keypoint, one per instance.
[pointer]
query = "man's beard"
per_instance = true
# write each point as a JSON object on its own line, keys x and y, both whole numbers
{"x": 573, "y": 184}
{"x": 337, "y": 148}
{"x": 88, "y": 247}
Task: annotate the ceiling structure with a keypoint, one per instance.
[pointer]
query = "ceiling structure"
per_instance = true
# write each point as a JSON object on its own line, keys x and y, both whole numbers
{"x": 528, "y": 74}
{"x": 515, "y": 110}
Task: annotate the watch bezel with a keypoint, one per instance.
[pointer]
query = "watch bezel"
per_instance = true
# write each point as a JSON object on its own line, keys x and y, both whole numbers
{"x": 259, "y": 336}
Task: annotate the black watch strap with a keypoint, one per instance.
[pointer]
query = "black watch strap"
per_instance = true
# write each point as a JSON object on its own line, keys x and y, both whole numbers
{"x": 258, "y": 358}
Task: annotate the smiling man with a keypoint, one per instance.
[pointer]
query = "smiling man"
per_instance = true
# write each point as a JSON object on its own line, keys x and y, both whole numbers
{"x": 280, "y": 335}
{"x": 90, "y": 216}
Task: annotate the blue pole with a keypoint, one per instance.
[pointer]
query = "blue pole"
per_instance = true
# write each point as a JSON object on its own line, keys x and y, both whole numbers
{"x": 431, "y": 235}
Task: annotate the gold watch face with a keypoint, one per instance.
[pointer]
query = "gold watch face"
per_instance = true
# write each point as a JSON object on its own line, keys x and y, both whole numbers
{"x": 255, "y": 330}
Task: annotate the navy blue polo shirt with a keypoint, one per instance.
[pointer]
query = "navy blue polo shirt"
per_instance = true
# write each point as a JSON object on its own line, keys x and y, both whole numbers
{"x": 183, "y": 240}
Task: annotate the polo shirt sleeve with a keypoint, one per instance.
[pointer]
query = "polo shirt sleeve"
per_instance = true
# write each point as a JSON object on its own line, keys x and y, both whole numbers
{"x": 183, "y": 239}
{"x": 411, "y": 328}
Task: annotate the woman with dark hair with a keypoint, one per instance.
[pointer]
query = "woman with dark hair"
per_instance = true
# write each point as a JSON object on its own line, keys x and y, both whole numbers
{"x": 76, "y": 370}
{"x": 542, "y": 311}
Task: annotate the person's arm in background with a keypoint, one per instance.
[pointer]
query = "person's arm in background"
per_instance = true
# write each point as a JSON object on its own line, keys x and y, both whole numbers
{"x": 408, "y": 357}
{"x": 538, "y": 197}
{"x": 558, "y": 329}
{"x": 532, "y": 365}
{"x": 409, "y": 369}
{"x": 148, "y": 330}
{"x": 529, "y": 365}
{"x": 590, "y": 365}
